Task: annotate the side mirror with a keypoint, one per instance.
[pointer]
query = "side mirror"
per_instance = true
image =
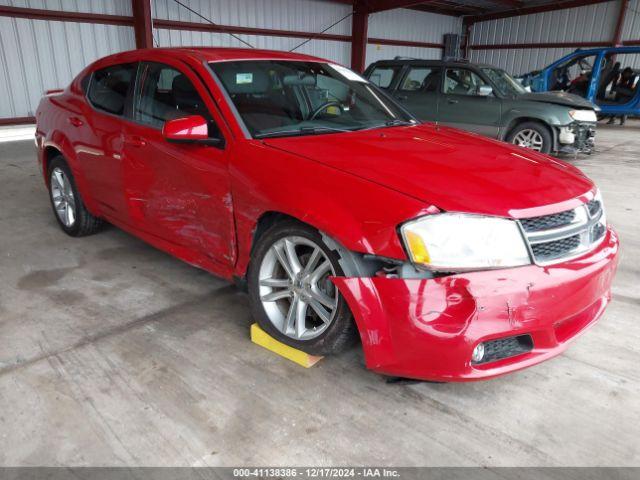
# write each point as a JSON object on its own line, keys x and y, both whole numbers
{"x": 485, "y": 90}
{"x": 191, "y": 129}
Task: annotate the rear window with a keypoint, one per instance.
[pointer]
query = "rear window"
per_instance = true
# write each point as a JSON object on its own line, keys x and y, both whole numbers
{"x": 110, "y": 86}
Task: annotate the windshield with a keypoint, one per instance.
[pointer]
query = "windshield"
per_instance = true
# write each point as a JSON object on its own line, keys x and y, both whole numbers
{"x": 286, "y": 98}
{"x": 504, "y": 83}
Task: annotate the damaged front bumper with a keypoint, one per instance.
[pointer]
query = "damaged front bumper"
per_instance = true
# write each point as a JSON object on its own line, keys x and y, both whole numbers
{"x": 428, "y": 328}
{"x": 577, "y": 137}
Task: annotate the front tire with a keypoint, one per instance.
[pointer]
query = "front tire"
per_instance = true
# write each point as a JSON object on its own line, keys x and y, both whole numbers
{"x": 532, "y": 135}
{"x": 68, "y": 208}
{"x": 292, "y": 297}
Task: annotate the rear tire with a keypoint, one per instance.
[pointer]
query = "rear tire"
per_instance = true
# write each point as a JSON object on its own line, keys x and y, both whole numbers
{"x": 282, "y": 291}
{"x": 68, "y": 208}
{"x": 532, "y": 135}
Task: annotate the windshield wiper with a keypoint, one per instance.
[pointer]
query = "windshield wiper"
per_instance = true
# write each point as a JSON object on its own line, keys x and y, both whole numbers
{"x": 389, "y": 123}
{"x": 300, "y": 132}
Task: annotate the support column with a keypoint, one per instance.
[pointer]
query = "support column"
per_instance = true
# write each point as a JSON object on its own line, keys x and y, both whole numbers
{"x": 466, "y": 38}
{"x": 359, "y": 28}
{"x": 617, "y": 35}
{"x": 142, "y": 23}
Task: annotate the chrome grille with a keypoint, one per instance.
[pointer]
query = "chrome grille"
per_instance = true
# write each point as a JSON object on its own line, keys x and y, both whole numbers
{"x": 535, "y": 224}
{"x": 560, "y": 236}
{"x": 555, "y": 249}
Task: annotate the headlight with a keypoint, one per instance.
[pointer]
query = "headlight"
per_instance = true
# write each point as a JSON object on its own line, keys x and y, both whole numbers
{"x": 458, "y": 241}
{"x": 583, "y": 115}
{"x": 594, "y": 211}
{"x": 598, "y": 198}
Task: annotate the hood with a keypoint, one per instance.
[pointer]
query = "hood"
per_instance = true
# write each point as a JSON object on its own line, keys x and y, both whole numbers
{"x": 558, "y": 98}
{"x": 445, "y": 167}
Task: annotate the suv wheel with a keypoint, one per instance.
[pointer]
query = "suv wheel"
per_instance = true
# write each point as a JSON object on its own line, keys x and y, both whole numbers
{"x": 531, "y": 135}
{"x": 292, "y": 296}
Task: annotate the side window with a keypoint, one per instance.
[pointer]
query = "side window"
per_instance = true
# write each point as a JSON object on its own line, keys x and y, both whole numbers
{"x": 164, "y": 93}
{"x": 425, "y": 79}
{"x": 460, "y": 81}
{"x": 383, "y": 76}
{"x": 109, "y": 87}
{"x": 84, "y": 83}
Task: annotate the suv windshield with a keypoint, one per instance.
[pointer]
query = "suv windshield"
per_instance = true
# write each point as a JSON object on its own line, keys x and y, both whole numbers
{"x": 503, "y": 82}
{"x": 287, "y": 98}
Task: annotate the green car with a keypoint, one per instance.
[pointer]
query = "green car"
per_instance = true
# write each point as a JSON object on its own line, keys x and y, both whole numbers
{"x": 487, "y": 100}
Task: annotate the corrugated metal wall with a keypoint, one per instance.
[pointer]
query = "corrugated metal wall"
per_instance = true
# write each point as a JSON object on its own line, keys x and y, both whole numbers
{"x": 37, "y": 55}
{"x": 631, "y": 30}
{"x": 412, "y": 26}
{"x": 591, "y": 23}
{"x": 308, "y": 16}
{"x": 300, "y": 15}
{"x": 109, "y": 7}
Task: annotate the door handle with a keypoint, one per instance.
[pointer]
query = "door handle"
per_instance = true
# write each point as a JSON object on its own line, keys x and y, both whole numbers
{"x": 75, "y": 121}
{"x": 135, "y": 141}
{"x": 401, "y": 97}
{"x": 452, "y": 101}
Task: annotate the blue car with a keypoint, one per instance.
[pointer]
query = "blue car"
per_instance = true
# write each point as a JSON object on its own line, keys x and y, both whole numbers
{"x": 607, "y": 77}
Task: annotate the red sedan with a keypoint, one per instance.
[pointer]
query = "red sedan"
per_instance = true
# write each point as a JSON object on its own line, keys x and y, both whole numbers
{"x": 453, "y": 256}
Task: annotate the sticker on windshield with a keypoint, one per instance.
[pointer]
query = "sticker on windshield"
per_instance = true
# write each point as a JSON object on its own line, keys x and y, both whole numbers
{"x": 348, "y": 74}
{"x": 244, "y": 78}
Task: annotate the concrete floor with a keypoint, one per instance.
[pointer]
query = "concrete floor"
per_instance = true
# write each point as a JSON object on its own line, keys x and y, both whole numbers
{"x": 113, "y": 353}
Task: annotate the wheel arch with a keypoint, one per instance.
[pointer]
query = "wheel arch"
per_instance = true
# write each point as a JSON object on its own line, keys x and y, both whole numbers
{"x": 59, "y": 144}
{"x": 353, "y": 262}
{"x": 267, "y": 220}
{"x": 48, "y": 154}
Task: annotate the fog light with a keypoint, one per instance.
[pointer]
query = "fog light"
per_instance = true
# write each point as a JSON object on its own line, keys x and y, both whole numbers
{"x": 478, "y": 353}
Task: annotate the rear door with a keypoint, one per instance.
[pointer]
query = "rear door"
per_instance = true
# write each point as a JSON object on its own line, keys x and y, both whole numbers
{"x": 418, "y": 91}
{"x": 461, "y": 105}
{"x": 178, "y": 192}
{"x": 100, "y": 156}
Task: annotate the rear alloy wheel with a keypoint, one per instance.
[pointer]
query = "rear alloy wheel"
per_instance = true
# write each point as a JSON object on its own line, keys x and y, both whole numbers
{"x": 64, "y": 202}
{"x": 293, "y": 297}
{"x": 68, "y": 207}
{"x": 531, "y": 135}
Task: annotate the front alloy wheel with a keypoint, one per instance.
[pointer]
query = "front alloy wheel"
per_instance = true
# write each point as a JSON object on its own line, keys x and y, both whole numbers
{"x": 528, "y": 138}
{"x": 295, "y": 290}
{"x": 532, "y": 135}
{"x": 292, "y": 296}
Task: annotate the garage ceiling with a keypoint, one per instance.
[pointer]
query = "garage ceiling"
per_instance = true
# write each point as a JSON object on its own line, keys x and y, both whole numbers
{"x": 478, "y": 9}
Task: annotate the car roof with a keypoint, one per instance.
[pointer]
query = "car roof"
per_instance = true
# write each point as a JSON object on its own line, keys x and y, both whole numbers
{"x": 432, "y": 63}
{"x": 211, "y": 54}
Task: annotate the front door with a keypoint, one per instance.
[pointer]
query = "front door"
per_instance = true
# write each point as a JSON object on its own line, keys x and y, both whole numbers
{"x": 418, "y": 92}
{"x": 178, "y": 192}
{"x": 462, "y": 106}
